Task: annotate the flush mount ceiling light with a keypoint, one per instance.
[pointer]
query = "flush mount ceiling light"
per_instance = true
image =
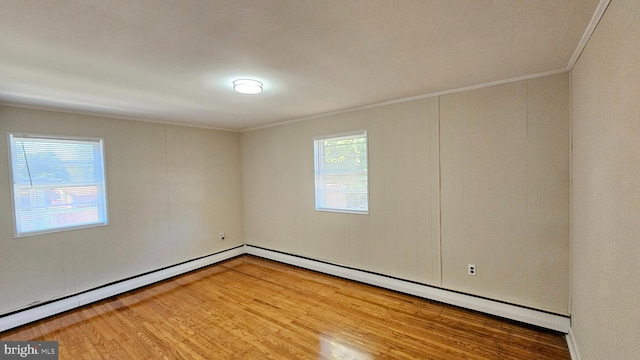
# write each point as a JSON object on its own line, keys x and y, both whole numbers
{"x": 247, "y": 86}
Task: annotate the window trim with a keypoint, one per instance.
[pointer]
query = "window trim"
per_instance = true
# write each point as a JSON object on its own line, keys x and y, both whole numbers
{"x": 12, "y": 184}
{"x": 316, "y": 149}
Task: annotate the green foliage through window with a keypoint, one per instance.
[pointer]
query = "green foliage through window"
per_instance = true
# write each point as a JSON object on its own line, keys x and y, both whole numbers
{"x": 342, "y": 173}
{"x": 58, "y": 183}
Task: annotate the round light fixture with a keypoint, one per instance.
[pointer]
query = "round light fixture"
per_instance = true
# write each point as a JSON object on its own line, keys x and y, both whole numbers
{"x": 247, "y": 86}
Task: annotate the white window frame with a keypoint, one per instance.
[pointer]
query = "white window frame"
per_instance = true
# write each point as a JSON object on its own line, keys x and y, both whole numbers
{"x": 103, "y": 217}
{"x": 319, "y": 173}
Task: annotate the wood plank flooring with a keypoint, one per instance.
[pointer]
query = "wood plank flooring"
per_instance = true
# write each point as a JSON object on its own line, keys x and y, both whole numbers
{"x": 250, "y": 308}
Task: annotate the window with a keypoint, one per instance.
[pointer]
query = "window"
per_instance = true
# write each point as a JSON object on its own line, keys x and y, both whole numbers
{"x": 58, "y": 183}
{"x": 341, "y": 173}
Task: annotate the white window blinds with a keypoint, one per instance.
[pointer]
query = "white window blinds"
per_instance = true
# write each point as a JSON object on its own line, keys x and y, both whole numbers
{"x": 58, "y": 183}
{"x": 341, "y": 173}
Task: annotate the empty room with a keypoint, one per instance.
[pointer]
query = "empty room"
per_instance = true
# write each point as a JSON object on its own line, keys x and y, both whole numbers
{"x": 326, "y": 179}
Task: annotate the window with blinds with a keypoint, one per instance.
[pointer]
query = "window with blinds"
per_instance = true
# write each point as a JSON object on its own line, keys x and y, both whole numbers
{"x": 58, "y": 183}
{"x": 341, "y": 170}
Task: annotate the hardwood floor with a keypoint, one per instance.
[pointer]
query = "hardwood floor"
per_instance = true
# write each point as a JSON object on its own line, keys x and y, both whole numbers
{"x": 250, "y": 308}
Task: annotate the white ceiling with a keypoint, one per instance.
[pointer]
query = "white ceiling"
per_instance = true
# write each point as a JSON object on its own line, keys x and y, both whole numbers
{"x": 174, "y": 61}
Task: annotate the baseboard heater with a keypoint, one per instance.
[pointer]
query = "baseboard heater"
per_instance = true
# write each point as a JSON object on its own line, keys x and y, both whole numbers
{"x": 53, "y": 307}
{"x": 525, "y": 315}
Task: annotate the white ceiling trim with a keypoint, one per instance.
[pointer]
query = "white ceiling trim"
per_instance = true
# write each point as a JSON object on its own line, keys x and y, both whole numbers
{"x": 111, "y": 116}
{"x": 337, "y": 112}
{"x": 298, "y": 115}
{"x": 595, "y": 19}
{"x": 414, "y": 98}
{"x": 593, "y": 23}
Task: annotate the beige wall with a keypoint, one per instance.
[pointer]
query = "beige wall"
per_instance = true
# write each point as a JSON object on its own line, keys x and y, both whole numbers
{"x": 605, "y": 244}
{"x": 171, "y": 190}
{"x": 505, "y": 192}
{"x": 505, "y": 161}
{"x": 400, "y": 235}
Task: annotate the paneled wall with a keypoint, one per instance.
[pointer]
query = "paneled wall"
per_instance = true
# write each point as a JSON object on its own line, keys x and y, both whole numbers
{"x": 488, "y": 168}
{"x": 504, "y": 155}
{"x": 399, "y": 237}
{"x": 505, "y": 192}
{"x": 605, "y": 246}
{"x": 171, "y": 190}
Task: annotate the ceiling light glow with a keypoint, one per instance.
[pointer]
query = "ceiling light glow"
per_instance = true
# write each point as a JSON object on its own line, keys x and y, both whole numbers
{"x": 247, "y": 86}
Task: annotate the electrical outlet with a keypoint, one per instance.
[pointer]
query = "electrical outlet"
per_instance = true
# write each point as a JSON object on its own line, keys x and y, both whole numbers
{"x": 471, "y": 269}
{"x": 222, "y": 236}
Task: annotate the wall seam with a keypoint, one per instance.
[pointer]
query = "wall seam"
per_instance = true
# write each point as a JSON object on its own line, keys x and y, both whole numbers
{"x": 439, "y": 137}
